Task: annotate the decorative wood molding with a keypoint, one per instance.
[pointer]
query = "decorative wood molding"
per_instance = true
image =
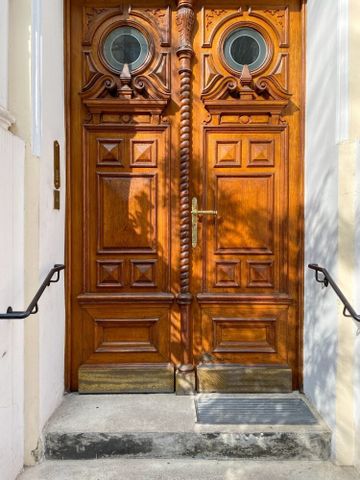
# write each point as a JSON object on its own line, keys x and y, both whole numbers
{"x": 185, "y": 22}
{"x": 278, "y": 19}
{"x": 161, "y": 17}
{"x": 209, "y": 73}
{"x": 6, "y": 119}
{"x": 128, "y": 93}
{"x": 213, "y": 19}
{"x": 126, "y": 97}
{"x": 281, "y": 71}
{"x": 247, "y": 97}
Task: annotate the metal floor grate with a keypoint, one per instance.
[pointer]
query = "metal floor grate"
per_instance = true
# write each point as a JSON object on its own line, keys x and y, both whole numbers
{"x": 255, "y": 410}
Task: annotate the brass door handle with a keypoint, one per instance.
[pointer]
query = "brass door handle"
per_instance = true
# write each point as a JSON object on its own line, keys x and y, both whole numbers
{"x": 195, "y": 212}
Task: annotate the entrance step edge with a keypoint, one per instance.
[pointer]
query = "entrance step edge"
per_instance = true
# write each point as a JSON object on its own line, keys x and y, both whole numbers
{"x": 164, "y": 426}
{"x": 244, "y": 445}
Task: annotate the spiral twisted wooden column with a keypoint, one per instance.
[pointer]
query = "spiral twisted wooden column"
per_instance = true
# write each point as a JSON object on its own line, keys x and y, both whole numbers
{"x": 185, "y": 23}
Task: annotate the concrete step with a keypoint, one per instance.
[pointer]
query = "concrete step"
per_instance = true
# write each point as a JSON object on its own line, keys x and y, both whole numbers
{"x": 164, "y": 426}
{"x": 185, "y": 469}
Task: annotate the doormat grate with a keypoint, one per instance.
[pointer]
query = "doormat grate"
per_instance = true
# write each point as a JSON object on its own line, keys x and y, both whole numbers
{"x": 234, "y": 410}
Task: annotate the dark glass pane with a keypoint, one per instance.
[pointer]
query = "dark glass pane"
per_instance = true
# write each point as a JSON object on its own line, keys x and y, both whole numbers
{"x": 245, "y": 50}
{"x": 126, "y": 49}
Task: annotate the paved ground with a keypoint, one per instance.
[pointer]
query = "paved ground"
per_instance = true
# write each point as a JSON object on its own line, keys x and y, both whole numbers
{"x": 141, "y": 469}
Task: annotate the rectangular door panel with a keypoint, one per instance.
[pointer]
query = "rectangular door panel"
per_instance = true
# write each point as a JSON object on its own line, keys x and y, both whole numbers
{"x": 128, "y": 244}
{"x": 246, "y": 334}
{"x": 245, "y": 248}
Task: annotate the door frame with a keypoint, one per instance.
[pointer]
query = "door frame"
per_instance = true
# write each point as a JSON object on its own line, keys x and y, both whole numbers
{"x": 68, "y": 217}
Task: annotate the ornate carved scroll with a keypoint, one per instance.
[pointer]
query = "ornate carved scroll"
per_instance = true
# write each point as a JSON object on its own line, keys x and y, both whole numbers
{"x": 185, "y": 23}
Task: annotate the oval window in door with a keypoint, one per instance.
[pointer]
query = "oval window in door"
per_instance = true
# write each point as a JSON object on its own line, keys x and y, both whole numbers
{"x": 125, "y": 45}
{"x": 245, "y": 46}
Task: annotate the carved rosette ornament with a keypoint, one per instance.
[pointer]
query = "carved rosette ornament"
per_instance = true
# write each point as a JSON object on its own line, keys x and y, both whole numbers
{"x": 185, "y": 23}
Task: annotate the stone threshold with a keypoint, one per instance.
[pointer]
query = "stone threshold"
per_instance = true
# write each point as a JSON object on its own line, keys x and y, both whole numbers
{"x": 164, "y": 426}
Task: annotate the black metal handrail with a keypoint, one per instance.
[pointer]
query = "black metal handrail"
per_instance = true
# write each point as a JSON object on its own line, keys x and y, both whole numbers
{"x": 33, "y": 307}
{"x": 327, "y": 280}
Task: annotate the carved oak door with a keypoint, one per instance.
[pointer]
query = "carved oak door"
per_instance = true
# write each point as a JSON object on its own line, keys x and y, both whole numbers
{"x": 185, "y": 195}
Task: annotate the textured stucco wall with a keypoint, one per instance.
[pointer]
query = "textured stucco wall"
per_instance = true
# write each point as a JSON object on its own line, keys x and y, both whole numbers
{"x": 321, "y": 205}
{"x": 11, "y": 293}
{"x": 44, "y": 227}
{"x": 51, "y": 222}
{"x": 332, "y": 356}
{"x": 11, "y": 275}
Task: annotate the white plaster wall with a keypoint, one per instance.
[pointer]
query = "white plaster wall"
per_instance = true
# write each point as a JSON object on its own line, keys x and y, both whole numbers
{"x": 321, "y": 205}
{"x": 355, "y": 136}
{"x": 4, "y": 52}
{"x": 44, "y": 227}
{"x": 52, "y": 222}
{"x": 11, "y": 293}
{"x": 357, "y": 306}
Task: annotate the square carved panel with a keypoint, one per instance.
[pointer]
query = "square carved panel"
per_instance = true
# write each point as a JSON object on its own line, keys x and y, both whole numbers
{"x": 260, "y": 274}
{"x": 110, "y": 152}
{"x": 228, "y": 153}
{"x": 143, "y": 273}
{"x": 227, "y": 274}
{"x": 261, "y": 153}
{"x": 143, "y": 153}
{"x": 110, "y": 273}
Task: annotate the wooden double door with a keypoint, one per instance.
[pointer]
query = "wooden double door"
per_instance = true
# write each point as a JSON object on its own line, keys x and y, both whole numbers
{"x": 184, "y": 243}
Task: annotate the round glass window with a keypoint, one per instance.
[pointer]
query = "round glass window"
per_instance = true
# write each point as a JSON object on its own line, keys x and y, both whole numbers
{"x": 125, "y": 45}
{"x": 245, "y": 46}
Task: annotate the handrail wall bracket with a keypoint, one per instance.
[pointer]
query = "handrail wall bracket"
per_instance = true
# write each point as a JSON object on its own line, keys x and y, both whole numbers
{"x": 33, "y": 307}
{"x": 326, "y": 279}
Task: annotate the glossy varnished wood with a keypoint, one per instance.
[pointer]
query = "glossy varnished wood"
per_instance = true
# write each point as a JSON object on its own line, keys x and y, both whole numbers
{"x": 246, "y": 272}
{"x": 138, "y": 150}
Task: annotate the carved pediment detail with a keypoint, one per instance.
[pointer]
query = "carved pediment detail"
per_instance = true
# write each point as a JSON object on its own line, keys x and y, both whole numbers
{"x": 246, "y": 88}
{"x": 105, "y": 90}
{"x": 252, "y": 100}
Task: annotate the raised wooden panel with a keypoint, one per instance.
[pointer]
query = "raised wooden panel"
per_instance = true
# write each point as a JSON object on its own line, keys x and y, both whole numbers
{"x": 238, "y": 335}
{"x": 228, "y": 153}
{"x": 127, "y": 212}
{"x": 261, "y": 153}
{"x": 246, "y": 333}
{"x": 110, "y": 273}
{"x": 111, "y": 152}
{"x": 245, "y": 206}
{"x": 125, "y": 208}
{"x": 126, "y": 335}
{"x": 143, "y": 153}
{"x": 260, "y": 274}
{"x": 228, "y": 274}
{"x": 143, "y": 273}
{"x": 250, "y": 211}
